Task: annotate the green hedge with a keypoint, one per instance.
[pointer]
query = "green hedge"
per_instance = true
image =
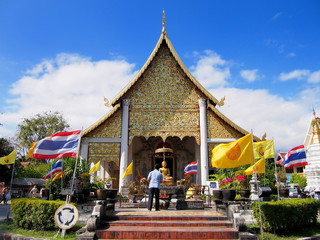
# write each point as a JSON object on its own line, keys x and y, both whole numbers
{"x": 286, "y": 216}
{"x": 32, "y": 213}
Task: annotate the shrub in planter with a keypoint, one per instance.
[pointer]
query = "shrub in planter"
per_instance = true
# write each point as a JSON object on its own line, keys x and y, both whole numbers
{"x": 31, "y": 213}
{"x": 285, "y": 216}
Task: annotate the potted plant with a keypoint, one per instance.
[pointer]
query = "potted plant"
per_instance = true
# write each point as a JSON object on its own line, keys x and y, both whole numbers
{"x": 243, "y": 185}
{"x": 133, "y": 188}
{"x": 100, "y": 186}
{"x": 85, "y": 183}
{"x": 228, "y": 189}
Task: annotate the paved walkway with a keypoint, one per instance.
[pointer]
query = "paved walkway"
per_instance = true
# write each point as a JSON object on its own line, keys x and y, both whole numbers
{"x": 4, "y": 208}
{"x": 166, "y": 212}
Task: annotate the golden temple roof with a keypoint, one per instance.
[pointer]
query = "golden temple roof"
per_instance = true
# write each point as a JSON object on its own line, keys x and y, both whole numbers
{"x": 212, "y": 101}
{"x": 101, "y": 120}
{"x": 164, "y": 37}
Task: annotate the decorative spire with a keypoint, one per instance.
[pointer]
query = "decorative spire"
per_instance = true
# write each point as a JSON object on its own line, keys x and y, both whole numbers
{"x": 163, "y": 23}
{"x": 316, "y": 132}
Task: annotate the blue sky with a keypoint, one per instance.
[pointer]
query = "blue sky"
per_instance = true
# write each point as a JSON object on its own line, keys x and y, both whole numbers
{"x": 263, "y": 56}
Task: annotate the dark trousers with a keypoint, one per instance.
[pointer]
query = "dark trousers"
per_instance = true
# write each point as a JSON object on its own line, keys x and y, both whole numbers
{"x": 155, "y": 192}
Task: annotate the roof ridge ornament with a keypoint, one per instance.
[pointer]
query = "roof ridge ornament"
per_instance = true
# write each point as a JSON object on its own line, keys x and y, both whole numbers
{"x": 163, "y": 23}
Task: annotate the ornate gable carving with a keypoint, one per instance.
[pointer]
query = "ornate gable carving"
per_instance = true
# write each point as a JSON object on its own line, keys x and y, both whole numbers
{"x": 218, "y": 128}
{"x": 109, "y": 128}
{"x": 164, "y": 102}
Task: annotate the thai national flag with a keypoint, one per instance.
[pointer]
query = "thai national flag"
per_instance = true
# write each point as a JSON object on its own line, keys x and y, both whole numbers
{"x": 191, "y": 168}
{"x": 57, "y": 167}
{"x": 63, "y": 144}
{"x": 296, "y": 157}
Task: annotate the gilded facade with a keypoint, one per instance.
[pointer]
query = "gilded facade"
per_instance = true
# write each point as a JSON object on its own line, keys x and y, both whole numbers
{"x": 163, "y": 103}
{"x": 109, "y": 127}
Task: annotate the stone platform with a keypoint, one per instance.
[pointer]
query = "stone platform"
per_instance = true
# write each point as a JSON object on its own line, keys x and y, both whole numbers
{"x": 167, "y": 224}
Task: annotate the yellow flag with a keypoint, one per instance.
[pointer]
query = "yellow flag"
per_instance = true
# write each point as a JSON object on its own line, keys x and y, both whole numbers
{"x": 95, "y": 168}
{"x": 234, "y": 154}
{"x": 10, "y": 159}
{"x": 260, "y": 167}
{"x": 59, "y": 175}
{"x": 264, "y": 149}
{"x": 30, "y": 153}
{"x": 128, "y": 170}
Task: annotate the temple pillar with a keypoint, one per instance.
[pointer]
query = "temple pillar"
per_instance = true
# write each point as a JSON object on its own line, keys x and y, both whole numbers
{"x": 102, "y": 170}
{"x": 124, "y": 140}
{"x": 197, "y": 158}
{"x": 84, "y": 149}
{"x": 203, "y": 142}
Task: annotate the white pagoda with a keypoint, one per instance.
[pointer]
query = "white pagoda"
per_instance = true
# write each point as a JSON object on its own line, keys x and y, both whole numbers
{"x": 312, "y": 147}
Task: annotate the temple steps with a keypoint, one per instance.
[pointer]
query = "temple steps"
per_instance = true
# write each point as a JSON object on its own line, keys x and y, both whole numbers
{"x": 167, "y": 225}
{"x": 170, "y": 223}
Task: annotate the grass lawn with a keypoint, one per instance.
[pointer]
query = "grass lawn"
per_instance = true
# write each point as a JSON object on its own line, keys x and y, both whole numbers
{"x": 8, "y": 226}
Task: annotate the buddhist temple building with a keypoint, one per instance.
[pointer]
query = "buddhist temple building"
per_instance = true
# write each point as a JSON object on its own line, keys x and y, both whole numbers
{"x": 312, "y": 147}
{"x": 163, "y": 106}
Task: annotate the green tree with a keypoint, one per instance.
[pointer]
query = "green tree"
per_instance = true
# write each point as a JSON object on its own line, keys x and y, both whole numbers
{"x": 301, "y": 180}
{"x": 5, "y": 149}
{"x": 33, "y": 170}
{"x": 68, "y": 165}
{"x": 38, "y": 127}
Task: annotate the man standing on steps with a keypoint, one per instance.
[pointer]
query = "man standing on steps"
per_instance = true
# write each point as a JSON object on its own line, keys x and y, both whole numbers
{"x": 154, "y": 178}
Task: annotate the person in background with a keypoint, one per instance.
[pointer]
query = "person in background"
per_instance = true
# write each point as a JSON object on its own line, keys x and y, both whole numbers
{"x": 34, "y": 191}
{"x": 4, "y": 195}
{"x": 154, "y": 178}
{"x": 8, "y": 195}
{"x": 40, "y": 193}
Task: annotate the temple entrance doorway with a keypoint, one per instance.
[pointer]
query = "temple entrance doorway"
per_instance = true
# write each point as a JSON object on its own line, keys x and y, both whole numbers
{"x": 144, "y": 156}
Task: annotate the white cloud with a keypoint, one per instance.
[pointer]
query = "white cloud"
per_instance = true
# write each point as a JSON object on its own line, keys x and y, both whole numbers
{"x": 314, "y": 77}
{"x": 284, "y": 121}
{"x": 212, "y": 69}
{"x": 70, "y": 84}
{"x": 301, "y": 74}
{"x": 296, "y": 74}
{"x": 76, "y": 86}
{"x": 250, "y": 75}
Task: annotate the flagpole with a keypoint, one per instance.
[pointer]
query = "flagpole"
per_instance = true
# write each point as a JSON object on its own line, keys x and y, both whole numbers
{"x": 75, "y": 168}
{"x": 275, "y": 167}
{"x": 68, "y": 198}
{"x": 50, "y": 179}
{"x": 256, "y": 182}
{"x": 11, "y": 186}
{"x": 61, "y": 183}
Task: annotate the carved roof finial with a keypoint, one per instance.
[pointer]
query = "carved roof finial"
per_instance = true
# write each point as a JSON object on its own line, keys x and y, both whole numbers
{"x": 163, "y": 23}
